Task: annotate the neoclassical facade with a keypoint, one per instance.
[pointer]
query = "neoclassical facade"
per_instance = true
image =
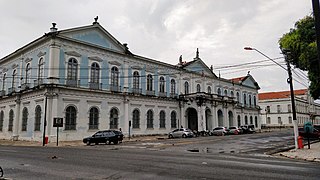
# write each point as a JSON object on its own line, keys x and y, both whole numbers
{"x": 92, "y": 81}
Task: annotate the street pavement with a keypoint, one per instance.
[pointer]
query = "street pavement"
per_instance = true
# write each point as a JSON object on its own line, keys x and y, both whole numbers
{"x": 312, "y": 154}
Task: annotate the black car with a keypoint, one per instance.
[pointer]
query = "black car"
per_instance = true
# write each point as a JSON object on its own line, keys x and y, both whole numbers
{"x": 106, "y": 136}
{"x": 119, "y": 134}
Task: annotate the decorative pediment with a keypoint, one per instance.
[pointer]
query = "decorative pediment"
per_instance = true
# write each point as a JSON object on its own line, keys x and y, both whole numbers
{"x": 186, "y": 78}
{"x": 95, "y": 58}
{"x": 73, "y": 53}
{"x": 114, "y": 63}
{"x": 4, "y": 69}
{"x": 94, "y": 35}
{"x": 136, "y": 67}
{"x": 198, "y": 81}
{"x": 28, "y": 60}
{"x": 209, "y": 83}
{"x": 41, "y": 54}
{"x": 173, "y": 76}
{"x": 198, "y": 66}
{"x": 14, "y": 65}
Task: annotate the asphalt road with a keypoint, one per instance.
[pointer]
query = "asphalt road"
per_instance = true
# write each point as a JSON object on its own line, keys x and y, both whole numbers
{"x": 162, "y": 159}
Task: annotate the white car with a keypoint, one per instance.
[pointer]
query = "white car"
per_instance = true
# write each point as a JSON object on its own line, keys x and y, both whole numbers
{"x": 219, "y": 131}
{"x": 181, "y": 132}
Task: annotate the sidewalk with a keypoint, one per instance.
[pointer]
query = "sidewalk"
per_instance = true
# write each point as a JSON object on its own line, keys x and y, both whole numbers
{"x": 312, "y": 154}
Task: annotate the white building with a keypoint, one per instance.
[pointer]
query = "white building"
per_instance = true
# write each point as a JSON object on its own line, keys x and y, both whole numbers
{"x": 92, "y": 81}
{"x": 277, "y": 109}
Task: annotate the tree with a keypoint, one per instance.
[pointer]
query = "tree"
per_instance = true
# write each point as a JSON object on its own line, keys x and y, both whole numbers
{"x": 301, "y": 51}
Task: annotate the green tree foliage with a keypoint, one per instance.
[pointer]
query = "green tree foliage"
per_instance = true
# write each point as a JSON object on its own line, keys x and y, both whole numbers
{"x": 302, "y": 51}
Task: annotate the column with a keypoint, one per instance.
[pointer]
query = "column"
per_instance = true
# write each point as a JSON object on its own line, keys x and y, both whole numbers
{"x": 204, "y": 121}
{"x": 54, "y": 58}
{"x": 200, "y": 120}
{"x": 17, "y": 119}
{"x": 126, "y": 117}
{"x": 182, "y": 120}
{"x": 225, "y": 116}
{"x": 214, "y": 116}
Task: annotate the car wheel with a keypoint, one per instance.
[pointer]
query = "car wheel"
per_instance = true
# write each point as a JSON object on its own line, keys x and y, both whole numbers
{"x": 184, "y": 136}
{"x": 115, "y": 142}
{"x": 88, "y": 143}
{"x": 170, "y": 136}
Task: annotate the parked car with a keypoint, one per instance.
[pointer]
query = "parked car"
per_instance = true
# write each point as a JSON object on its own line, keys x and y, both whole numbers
{"x": 119, "y": 134}
{"x": 181, "y": 132}
{"x": 248, "y": 129}
{"x": 219, "y": 131}
{"x": 234, "y": 130}
{"x": 106, "y": 136}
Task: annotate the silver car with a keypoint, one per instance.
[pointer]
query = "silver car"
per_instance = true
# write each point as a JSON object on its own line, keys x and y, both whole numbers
{"x": 219, "y": 131}
{"x": 181, "y": 132}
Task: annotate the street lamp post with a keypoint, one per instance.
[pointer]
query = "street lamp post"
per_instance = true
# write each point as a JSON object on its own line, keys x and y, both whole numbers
{"x": 289, "y": 80}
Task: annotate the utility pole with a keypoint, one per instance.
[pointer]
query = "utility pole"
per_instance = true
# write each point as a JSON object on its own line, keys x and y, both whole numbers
{"x": 294, "y": 114}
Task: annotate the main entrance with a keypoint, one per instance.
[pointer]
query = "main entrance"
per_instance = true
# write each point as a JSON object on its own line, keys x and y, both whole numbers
{"x": 192, "y": 118}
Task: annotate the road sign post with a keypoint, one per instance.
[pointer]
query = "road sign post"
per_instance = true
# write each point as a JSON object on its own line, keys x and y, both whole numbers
{"x": 57, "y": 122}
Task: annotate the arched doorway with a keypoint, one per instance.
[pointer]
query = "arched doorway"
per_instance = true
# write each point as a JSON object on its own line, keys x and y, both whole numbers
{"x": 192, "y": 118}
{"x": 208, "y": 120}
{"x": 220, "y": 118}
{"x": 230, "y": 115}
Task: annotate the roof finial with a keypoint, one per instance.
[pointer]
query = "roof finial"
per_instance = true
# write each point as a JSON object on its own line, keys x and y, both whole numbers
{"x": 53, "y": 28}
{"x": 248, "y": 72}
{"x": 180, "y": 59}
{"x": 95, "y": 20}
{"x": 197, "y": 53}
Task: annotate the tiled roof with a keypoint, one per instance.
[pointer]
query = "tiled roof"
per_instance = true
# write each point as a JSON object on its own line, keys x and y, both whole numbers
{"x": 281, "y": 94}
{"x": 238, "y": 79}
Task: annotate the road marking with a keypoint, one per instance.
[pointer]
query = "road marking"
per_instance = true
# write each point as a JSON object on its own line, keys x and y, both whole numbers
{"x": 8, "y": 150}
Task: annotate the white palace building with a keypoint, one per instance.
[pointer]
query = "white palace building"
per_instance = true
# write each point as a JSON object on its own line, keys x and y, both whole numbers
{"x": 92, "y": 81}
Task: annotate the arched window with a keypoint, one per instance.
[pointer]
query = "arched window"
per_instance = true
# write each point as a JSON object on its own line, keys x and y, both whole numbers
{"x": 94, "y": 118}
{"x": 245, "y": 99}
{"x": 239, "y": 121}
{"x": 1, "y": 120}
{"x": 225, "y": 92}
{"x": 95, "y": 73}
{"x": 246, "y": 120}
{"x": 71, "y": 118}
{"x": 162, "y": 119}
{"x": 173, "y": 86}
{"x": 114, "y": 76}
{"x": 249, "y": 100}
{"x": 231, "y": 94}
{"x": 24, "y": 119}
{"x": 41, "y": 69}
{"x": 219, "y": 92}
{"x": 28, "y": 73}
{"x": 4, "y": 82}
{"x": 198, "y": 88}
{"x": 209, "y": 89}
{"x": 136, "y": 80}
{"x": 114, "y": 116}
{"x": 136, "y": 118}
{"x": 251, "y": 120}
{"x": 238, "y": 97}
{"x": 186, "y": 87}
{"x": 72, "y": 69}
{"x": 150, "y": 119}
{"x": 256, "y": 121}
{"x": 173, "y": 119}
{"x": 254, "y": 101}
{"x": 37, "y": 122}
{"x": 11, "y": 116}
{"x": 14, "y": 76}
{"x": 162, "y": 83}
{"x": 149, "y": 82}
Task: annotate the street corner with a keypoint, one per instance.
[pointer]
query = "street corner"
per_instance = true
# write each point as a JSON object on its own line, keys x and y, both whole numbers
{"x": 312, "y": 154}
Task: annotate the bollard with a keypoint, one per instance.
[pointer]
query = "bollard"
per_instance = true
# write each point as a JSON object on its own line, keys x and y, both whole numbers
{"x": 300, "y": 142}
{"x": 46, "y": 140}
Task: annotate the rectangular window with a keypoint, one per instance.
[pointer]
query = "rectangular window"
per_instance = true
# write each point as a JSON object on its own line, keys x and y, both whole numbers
{"x": 289, "y": 108}
{"x": 279, "y": 120}
{"x": 278, "y": 108}
{"x": 290, "y": 120}
{"x": 268, "y": 120}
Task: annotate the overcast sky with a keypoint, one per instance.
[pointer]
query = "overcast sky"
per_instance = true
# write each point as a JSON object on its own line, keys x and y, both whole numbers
{"x": 165, "y": 29}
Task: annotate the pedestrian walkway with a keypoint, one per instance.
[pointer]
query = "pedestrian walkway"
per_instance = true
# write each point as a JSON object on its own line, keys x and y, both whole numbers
{"x": 312, "y": 154}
